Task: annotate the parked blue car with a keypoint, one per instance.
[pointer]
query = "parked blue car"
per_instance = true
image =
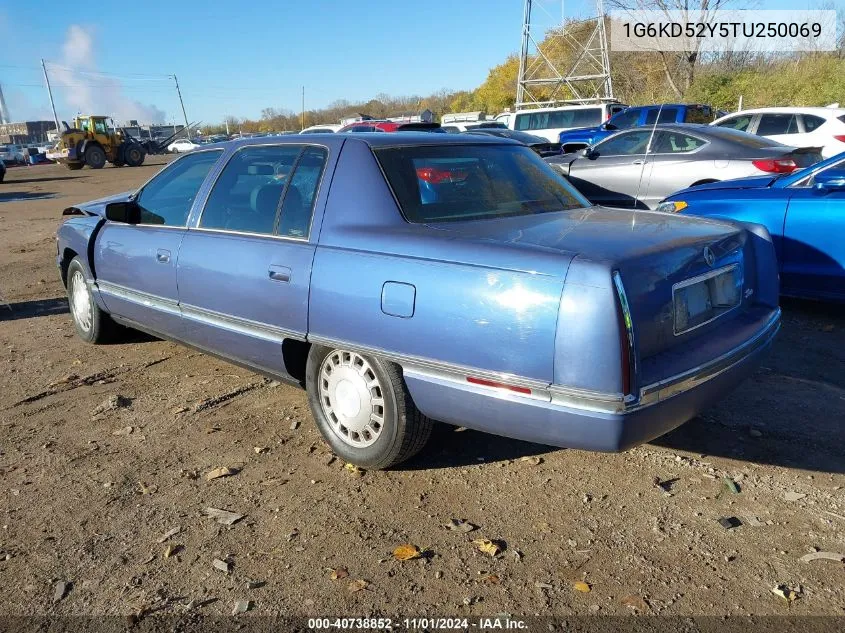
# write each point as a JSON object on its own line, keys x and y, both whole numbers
{"x": 804, "y": 212}
{"x": 573, "y": 140}
{"x": 405, "y": 278}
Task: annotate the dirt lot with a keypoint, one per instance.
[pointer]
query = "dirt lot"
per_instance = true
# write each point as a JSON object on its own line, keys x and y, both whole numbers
{"x": 89, "y": 491}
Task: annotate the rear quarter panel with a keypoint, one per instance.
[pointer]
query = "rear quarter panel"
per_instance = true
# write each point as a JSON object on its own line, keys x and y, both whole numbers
{"x": 475, "y": 304}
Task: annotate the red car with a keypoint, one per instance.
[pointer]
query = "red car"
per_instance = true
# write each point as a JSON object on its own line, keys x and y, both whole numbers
{"x": 390, "y": 126}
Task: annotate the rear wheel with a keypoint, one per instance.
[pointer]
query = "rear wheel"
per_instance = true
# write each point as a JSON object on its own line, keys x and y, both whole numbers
{"x": 363, "y": 409}
{"x": 92, "y": 324}
{"x": 95, "y": 157}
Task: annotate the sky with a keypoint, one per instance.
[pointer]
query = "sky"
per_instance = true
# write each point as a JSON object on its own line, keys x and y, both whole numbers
{"x": 236, "y": 58}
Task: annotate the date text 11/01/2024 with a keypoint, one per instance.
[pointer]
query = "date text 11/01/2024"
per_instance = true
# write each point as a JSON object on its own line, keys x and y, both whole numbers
{"x": 421, "y": 624}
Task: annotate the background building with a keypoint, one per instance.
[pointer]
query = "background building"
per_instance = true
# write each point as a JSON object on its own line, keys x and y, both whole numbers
{"x": 26, "y": 133}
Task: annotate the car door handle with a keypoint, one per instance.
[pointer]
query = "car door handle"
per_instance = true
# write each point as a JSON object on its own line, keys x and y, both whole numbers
{"x": 163, "y": 255}
{"x": 638, "y": 162}
{"x": 279, "y": 273}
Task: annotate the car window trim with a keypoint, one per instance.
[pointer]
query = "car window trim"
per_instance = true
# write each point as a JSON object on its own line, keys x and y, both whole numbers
{"x": 306, "y": 238}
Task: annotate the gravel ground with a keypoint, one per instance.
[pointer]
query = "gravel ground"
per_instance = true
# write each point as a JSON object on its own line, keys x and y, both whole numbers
{"x": 105, "y": 451}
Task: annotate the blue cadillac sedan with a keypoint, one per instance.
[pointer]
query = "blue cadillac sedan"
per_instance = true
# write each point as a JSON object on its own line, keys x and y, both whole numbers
{"x": 406, "y": 278}
{"x": 804, "y": 212}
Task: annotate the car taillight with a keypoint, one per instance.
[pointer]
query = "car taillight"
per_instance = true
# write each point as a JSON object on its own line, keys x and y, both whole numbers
{"x": 776, "y": 166}
{"x": 436, "y": 176}
{"x": 840, "y": 138}
{"x": 627, "y": 351}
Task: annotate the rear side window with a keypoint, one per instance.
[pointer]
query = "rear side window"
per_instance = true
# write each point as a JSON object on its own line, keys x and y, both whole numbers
{"x": 298, "y": 202}
{"x": 661, "y": 115}
{"x": 452, "y": 183}
{"x": 676, "y": 143}
{"x": 772, "y": 124}
{"x": 167, "y": 198}
{"x": 812, "y": 122}
{"x": 258, "y": 183}
{"x": 740, "y": 122}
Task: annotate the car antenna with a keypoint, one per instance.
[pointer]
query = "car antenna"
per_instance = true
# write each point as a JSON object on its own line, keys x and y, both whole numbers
{"x": 645, "y": 158}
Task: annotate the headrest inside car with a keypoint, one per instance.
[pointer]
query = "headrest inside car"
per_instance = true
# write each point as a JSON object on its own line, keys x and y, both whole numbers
{"x": 260, "y": 170}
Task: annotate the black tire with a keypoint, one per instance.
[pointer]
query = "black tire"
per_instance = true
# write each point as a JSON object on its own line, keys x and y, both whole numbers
{"x": 403, "y": 431}
{"x": 95, "y": 157}
{"x": 133, "y": 155}
{"x": 98, "y": 327}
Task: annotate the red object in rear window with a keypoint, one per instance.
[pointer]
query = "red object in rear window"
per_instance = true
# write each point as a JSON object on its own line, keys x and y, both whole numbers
{"x": 776, "y": 166}
{"x": 437, "y": 176}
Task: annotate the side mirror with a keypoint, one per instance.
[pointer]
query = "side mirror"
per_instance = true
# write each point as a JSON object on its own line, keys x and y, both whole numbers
{"x": 830, "y": 180}
{"x": 590, "y": 153}
{"x": 126, "y": 212}
{"x": 610, "y": 126}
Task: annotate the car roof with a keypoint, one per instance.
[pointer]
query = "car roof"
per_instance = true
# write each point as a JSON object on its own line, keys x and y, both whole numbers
{"x": 569, "y": 107}
{"x": 792, "y": 110}
{"x": 373, "y": 139}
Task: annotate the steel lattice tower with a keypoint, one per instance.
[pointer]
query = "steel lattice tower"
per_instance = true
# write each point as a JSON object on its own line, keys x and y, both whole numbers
{"x": 587, "y": 80}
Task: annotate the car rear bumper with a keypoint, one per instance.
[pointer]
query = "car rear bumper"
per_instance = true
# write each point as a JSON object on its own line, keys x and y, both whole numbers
{"x": 582, "y": 421}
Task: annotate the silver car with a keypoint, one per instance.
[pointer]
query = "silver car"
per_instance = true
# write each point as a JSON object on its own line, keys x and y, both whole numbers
{"x": 640, "y": 167}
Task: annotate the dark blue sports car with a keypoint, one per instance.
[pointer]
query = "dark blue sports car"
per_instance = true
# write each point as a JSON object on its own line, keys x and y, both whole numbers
{"x": 805, "y": 213}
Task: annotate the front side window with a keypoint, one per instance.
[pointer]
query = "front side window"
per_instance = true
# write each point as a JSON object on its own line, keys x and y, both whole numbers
{"x": 100, "y": 127}
{"x": 698, "y": 114}
{"x": 268, "y": 190}
{"x": 740, "y": 122}
{"x": 167, "y": 198}
{"x": 626, "y": 144}
{"x": 773, "y": 124}
{"x": 453, "y": 183}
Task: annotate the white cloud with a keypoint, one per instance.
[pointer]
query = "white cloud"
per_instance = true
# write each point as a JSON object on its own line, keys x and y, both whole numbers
{"x": 93, "y": 93}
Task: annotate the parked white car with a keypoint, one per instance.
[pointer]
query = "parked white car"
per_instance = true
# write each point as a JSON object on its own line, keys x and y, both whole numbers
{"x": 457, "y": 122}
{"x": 550, "y": 122}
{"x": 323, "y": 128}
{"x": 182, "y": 145}
{"x": 12, "y": 154}
{"x": 798, "y": 127}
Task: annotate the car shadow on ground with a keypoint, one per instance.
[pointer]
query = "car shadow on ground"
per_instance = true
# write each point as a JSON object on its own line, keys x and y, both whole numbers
{"x": 790, "y": 412}
{"x": 452, "y": 446}
{"x": 32, "y": 309}
{"x": 20, "y": 196}
{"x": 19, "y": 181}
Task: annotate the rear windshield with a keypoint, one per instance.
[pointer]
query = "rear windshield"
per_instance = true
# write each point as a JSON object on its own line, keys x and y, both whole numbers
{"x": 582, "y": 117}
{"x": 452, "y": 183}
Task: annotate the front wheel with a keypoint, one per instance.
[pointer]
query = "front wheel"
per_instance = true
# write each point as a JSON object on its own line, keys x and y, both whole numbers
{"x": 95, "y": 157}
{"x": 363, "y": 409}
{"x": 91, "y": 323}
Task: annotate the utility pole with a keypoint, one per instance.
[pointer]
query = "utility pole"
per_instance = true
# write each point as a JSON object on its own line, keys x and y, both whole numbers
{"x": 50, "y": 94}
{"x": 302, "y": 120}
{"x": 179, "y": 92}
